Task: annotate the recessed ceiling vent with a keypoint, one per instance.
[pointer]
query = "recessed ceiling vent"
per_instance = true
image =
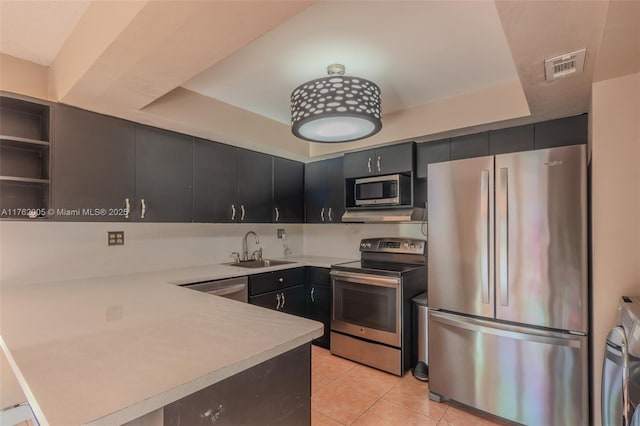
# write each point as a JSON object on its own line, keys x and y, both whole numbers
{"x": 564, "y": 65}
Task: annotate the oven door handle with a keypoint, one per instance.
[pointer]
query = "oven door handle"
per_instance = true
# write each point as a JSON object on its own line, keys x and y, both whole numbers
{"x": 371, "y": 279}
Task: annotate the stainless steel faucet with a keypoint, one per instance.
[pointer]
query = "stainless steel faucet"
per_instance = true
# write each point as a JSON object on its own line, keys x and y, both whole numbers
{"x": 245, "y": 250}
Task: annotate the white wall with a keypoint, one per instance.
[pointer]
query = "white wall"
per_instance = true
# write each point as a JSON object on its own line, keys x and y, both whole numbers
{"x": 615, "y": 132}
{"x": 32, "y": 252}
{"x": 343, "y": 239}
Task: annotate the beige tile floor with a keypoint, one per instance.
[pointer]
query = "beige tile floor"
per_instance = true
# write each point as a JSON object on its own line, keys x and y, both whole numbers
{"x": 347, "y": 393}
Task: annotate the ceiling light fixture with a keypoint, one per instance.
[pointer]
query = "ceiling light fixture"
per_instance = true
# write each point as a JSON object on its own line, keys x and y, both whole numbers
{"x": 336, "y": 108}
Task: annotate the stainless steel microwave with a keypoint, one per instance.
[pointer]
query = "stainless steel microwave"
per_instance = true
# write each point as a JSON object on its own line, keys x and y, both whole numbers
{"x": 388, "y": 190}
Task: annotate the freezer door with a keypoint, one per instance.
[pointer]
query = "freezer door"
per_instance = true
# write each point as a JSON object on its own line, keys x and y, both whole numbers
{"x": 541, "y": 238}
{"x": 460, "y": 242}
{"x": 526, "y": 375}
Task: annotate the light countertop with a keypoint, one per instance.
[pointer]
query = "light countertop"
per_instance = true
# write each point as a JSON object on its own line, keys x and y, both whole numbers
{"x": 109, "y": 350}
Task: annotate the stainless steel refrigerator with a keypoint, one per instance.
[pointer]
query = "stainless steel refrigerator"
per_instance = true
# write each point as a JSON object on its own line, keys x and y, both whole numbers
{"x": 507, "y": 285}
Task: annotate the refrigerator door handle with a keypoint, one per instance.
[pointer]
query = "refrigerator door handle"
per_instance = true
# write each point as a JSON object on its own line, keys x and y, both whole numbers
{"x": 484, "y": 237}
{"x": 502, "y": 223}
{"x": 505, "y": 330}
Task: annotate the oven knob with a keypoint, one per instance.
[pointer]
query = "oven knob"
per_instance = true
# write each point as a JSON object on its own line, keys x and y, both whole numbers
{"x": 406, "y": 245}
{"x": 412, "y": 245}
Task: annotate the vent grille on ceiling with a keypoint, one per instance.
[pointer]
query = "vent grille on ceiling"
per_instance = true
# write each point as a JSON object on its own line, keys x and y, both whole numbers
{"x": 564, "y": 65}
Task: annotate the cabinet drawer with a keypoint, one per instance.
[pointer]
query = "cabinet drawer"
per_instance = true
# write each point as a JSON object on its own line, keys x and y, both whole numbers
{"x": 270, "y": 281}
{"x": 318, "y": 276}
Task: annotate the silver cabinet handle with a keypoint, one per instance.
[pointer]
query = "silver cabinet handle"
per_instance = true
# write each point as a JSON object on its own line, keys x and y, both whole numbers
{"x": 502, "y": 222}
{"x": 369, "y": 165}
{"x": 313, "y": 289}
{"x": 233, "y": 212}
{"x": 143, "y": 207}
{"x": 330, "y": 218}
{"x": 322, "y": 214}
{"x": 378, "y": 163}
{"x": 127, "y": 208}
{"x": 278, "y": 299}
{"x": 484, "y": 235}
{"x": 242, "y": 212}
{"x": 281, "y": 280}
{"x": 277, "y": 214}
{"x": 283, "y": 300}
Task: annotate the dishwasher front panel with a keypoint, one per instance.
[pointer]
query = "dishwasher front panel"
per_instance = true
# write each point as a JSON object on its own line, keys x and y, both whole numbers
{"x": 529, "y": 376}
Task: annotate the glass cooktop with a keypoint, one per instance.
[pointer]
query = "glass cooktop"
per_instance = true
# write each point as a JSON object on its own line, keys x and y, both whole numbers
{"x": 378, "y": 268}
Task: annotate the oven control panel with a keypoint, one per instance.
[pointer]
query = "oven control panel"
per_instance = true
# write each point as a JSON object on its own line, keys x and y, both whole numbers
{"x": 394, "y": 245}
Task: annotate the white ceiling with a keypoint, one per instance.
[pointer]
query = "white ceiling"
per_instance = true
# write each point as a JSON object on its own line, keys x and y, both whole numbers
{"x": 36, "y": 30}
{"x": 416, "y": 51}
{"x": 224, "y": 69}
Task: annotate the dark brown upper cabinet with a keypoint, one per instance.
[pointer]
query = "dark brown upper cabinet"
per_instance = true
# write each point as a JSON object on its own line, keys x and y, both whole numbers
{"x": 324, "y": 191}
{"x": 380, "y": 161}
{"x": 255, "y": 187}
{"x": 288, "y": 191}
{"x": 164, "y": 176}
{"x": 95, "y": 166}
{"x": 215, "y": 182}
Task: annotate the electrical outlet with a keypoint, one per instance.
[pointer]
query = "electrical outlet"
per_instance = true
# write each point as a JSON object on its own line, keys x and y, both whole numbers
{"x": 115, "y": 238}
{"x": 282, "y": 234}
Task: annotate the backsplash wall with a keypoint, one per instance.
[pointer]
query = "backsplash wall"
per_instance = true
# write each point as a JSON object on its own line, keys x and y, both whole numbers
{"x": 32, "y": 252}
{"x": 343, "y": 239}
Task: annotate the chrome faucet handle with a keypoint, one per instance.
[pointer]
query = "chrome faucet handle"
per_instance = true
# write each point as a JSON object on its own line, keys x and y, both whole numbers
{"x": 260, "y": 253}
{"x": 236, "y": 256}
{"x": 287, "y": 250}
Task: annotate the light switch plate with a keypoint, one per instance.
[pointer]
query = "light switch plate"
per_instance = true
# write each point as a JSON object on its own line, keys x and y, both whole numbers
{"x": 281, "y": 234}
{"x": 115, "y": 238}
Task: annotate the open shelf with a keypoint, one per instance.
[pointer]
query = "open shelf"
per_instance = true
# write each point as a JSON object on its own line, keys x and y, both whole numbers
{"x": 22, "y": 179}
{"x": 25, "y": 151}
{"x": 17, "y": 142}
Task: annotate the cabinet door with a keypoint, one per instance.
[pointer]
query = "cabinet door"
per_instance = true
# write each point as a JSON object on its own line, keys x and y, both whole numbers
{"x": 513, "y": 139}
{"x": 335, "y": 197}
{"x": 359, "y": 164}
{"x": 164, "y": 176}
{"x": 294, "y": 300}
{"x": 394, "y": 159}
{"x": 270, "y": 300}
{"x": 319, "y": 309}
{"x": 288, "y": 191}
{"x": 561, "y": 132}
{"x": 94, "y": 164}
{"x": 255, "y": 188}
{"x": 315, "y": 191}
{"x": 470, "y": 146}
{"x": 431, "y": 152}
{"x": 215, "y": 182}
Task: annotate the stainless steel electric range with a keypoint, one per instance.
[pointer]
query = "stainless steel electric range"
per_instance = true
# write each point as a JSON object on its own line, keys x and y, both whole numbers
{"x": 371, "y": 311}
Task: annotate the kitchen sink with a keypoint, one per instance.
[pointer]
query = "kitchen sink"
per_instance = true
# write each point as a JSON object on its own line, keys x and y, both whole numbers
{"x": 259, "y": 263}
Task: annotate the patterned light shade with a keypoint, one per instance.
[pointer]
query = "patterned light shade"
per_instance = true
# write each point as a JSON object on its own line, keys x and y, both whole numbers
{"x": 336, "y": 108}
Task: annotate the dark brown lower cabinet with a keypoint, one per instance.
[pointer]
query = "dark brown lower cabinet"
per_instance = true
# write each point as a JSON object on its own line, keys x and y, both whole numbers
{"x": 276, "y": 392}
{"x": 291, "y": 300}
{"x": 318, "y": 294}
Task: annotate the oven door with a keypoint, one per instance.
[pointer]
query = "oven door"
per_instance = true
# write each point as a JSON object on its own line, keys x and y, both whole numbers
{"x": 367, "y": 306}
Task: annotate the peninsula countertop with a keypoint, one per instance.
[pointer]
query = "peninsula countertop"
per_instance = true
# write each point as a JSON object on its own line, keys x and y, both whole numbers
{"x": 109, "y": 350}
